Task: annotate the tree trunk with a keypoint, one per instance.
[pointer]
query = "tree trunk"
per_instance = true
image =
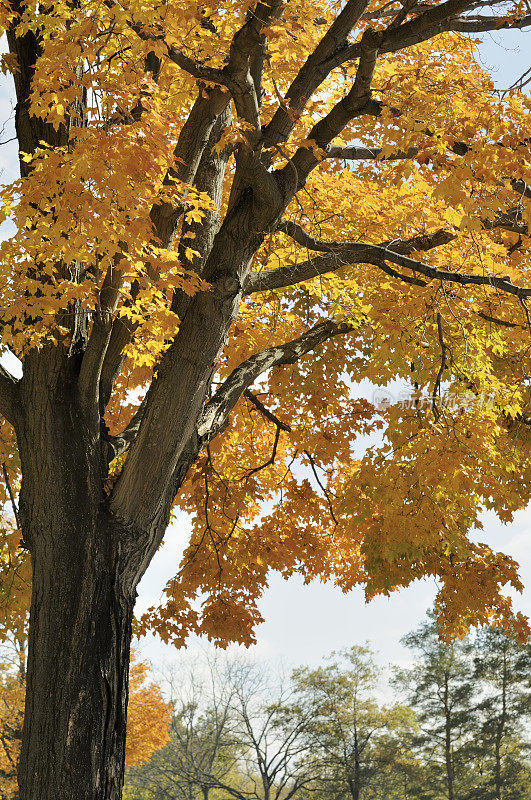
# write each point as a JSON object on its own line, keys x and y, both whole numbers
{"x": 448, "y": 742}
{"x": 500, "y": 730}
{"x": 78, "y": 664}
{"x": 82, "y": 603}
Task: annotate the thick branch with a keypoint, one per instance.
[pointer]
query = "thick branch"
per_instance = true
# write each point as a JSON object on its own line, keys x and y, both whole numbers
{"x": 353, "y": 153}
{"x": 218, "y": 409}
{"x": 100, "y": 335}
{"x": 361, "y": 253}
{"x": 209, "y": 178}
{"x": 312, "y": 73}
{"x": 435, "y": 19}
{"x": 424, "y": 241}
{"x": 30, "y": 130}
{"x": 190, "y": 146}
{"x": 117, "y": 445}
{"x": 121, "y": 334}
{"x": 206, "y": 171}
{"x": 355, "y": 103}
{"x": 358, "y": 101}
{"x": 482, "y": 24}
{"x": 246, "y": 43}
{"x": 200, "y": 71}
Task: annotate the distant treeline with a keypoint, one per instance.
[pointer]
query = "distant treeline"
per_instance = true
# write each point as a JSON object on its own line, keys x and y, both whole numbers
{"x": 456, "y": 729}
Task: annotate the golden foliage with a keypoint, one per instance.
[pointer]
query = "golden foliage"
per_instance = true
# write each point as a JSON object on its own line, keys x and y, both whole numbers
{"x": 299, "y": 497}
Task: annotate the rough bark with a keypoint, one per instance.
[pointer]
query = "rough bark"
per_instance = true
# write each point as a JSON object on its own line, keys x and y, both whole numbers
{"x": 85, "y": 569}
{"x": 82, "y": 601}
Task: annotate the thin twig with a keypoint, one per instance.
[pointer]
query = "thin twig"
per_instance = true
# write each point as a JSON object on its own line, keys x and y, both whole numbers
{"x": 265, "y": 411}
{"x": 444, "y": 349}
{"x": 323, "y": 488}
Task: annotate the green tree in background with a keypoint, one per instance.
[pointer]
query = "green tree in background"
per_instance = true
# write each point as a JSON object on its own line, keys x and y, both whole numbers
{"x": 357, "y": 747}
{"x": 439, "y": 687}
{"x": 503, "y": 670}
{"x": 241, "y": 732}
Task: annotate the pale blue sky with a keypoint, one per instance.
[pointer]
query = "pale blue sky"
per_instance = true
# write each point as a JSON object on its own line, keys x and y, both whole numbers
{"x": 304, "y": 623}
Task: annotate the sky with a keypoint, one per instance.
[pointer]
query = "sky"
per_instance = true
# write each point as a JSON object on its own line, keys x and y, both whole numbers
{"x": 303, "y": 624}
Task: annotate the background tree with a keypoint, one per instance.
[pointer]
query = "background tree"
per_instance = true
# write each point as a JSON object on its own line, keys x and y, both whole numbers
{"x": 191, "y": 282}
{"x": 503, "y": 670}
{"x": 274, "y": 745}
{"x": 440, "y": 689}
{"x": 401, "y": 773}
{"x": 356, "y": 747}
{"x": 203, "y": 745}
{"x": 230, "y": 737}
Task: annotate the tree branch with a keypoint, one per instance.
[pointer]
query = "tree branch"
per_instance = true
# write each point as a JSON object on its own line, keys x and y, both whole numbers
{"x": 189, "y": 149}
{"x": 265, "y": 411}
{"x": 119, "y": 444}
{"x": 423, "y": 241}
{"x": 482, "y": 24}
{"x": 196, "y": 131}
{"x": 367, "y": 153}
{"x": 434, "y": 20}
{"x": 312, "y": 73}
{"x": 360, "y": 253}
{"x": 102, "y": 325}
{"x": 245, "y": 44}
{"x": 200, "y": 71}
{"x": 217, "y": 410}
{"x": 355, "y": 103}
{"x": 339, "y": 254}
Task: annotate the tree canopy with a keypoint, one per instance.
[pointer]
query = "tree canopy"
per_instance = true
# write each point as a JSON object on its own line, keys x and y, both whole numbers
{"x": 387, "y": 236}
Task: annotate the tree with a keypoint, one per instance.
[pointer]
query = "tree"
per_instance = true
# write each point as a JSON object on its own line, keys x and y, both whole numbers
{"x": 503, "y": 668}
{"x": 355, "y": 745}
{"x": 148, "y": 714}
{"x": 203, "y": 746}
{"x": 232, "y": 739}
{"x": 193, "y": 282}
{"x": 440, "y": 688}
{"x": 273, "y": 741}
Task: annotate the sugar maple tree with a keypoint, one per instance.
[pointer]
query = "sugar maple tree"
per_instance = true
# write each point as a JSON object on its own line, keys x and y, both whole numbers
{"x": 227, "y": 215}
{"x": 147, "y": 726}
